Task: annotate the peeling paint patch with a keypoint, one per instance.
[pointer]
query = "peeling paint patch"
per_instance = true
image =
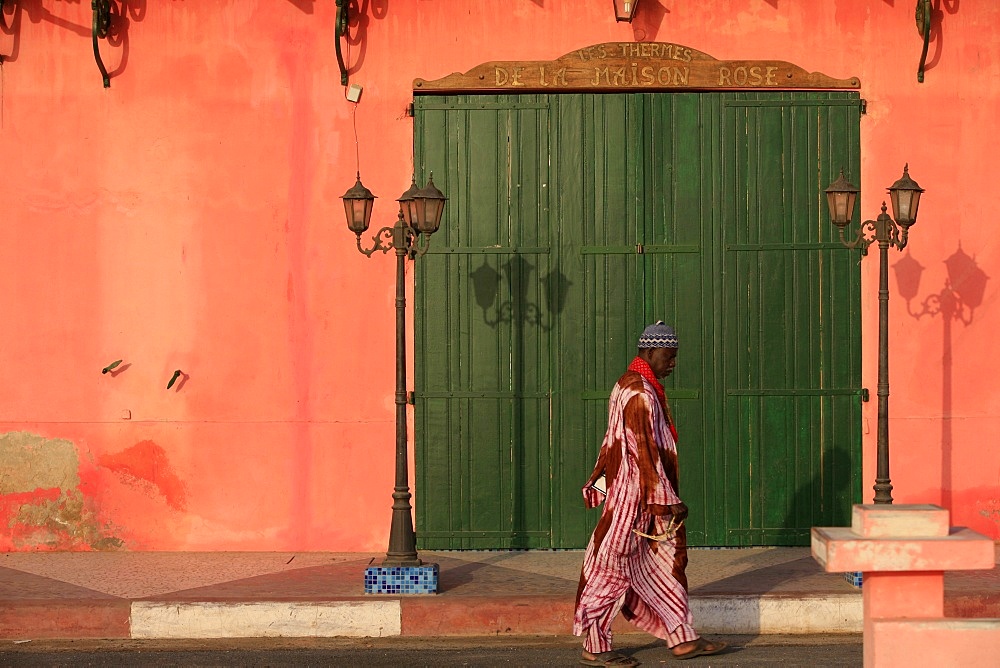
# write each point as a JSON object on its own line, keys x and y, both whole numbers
{"x": 63, "y": 523}
{"x": 29, "y": 462}
{"x": 145, "y": 464}
{"x": 990, "y": 509}
{"x": 41, "y": 504}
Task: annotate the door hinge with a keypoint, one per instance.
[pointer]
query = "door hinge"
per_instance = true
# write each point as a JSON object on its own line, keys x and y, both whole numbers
{"x": 409, "y": 110}
{"x": 411, "y": 398}
{"x": 864, "y": 394}
{"x": 864, "y": 106}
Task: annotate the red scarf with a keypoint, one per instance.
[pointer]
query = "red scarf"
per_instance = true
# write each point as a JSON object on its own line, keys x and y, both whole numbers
{"x": 641, "y": 367}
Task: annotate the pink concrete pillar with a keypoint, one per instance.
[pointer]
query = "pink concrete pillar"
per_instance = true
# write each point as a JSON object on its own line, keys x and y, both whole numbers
{"x": 916, "y": 595}
{"x": 903, "y": 551}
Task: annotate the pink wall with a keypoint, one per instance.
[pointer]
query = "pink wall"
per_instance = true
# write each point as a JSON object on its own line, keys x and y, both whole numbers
{"x": 189, "y": 217}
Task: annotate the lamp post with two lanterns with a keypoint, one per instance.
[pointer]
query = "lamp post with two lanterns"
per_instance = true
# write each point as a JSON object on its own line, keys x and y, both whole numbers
{"x": 420, "y": 211}
{"x": 887, "y": 231}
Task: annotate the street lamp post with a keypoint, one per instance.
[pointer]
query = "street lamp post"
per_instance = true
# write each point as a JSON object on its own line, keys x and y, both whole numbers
{"x": 887, "y": 231}
{"x": 419, "y": 217}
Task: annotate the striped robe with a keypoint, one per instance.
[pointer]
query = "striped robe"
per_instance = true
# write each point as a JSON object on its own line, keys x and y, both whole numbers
{"x": 642, "y": 578}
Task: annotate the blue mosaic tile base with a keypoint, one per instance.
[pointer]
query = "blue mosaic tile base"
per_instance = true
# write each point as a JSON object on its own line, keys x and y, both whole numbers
{"x": 854, "y": 577}
{"x": 401, "y": 579}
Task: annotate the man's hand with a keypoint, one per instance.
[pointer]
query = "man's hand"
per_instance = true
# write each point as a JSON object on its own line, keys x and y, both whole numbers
{"x": 679, "y": 511}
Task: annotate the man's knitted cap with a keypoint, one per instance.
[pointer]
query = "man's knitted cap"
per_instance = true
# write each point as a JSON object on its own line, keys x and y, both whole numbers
{"x": 658, "y": 335}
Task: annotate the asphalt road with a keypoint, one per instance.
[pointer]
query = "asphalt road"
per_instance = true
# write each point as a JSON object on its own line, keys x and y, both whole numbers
{"x": 807, "y": 651}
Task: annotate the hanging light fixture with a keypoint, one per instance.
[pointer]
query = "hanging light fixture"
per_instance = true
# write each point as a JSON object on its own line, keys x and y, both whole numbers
{"x": 625, "y": 10}
{"x": 428, "y": 205}
{"x": 358, "y": 202}
{"x": 840, "y": 197}
{"x": 905, "y": 196}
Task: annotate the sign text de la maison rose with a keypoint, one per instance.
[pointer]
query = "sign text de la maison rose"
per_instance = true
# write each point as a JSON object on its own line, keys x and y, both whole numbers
{"x": 635, "y": 66}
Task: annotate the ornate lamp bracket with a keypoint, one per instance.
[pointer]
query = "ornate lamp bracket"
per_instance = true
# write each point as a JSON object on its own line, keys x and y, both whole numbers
{"x": 382, "y": 241}
{"x": 401, "y": 238}
{"x": 340, "y": 31}
{"x": 867, "y": 233}
{"x": 883, "y": 230}
{"x": 100, "y": 30}
{"x": 923, "y": 16}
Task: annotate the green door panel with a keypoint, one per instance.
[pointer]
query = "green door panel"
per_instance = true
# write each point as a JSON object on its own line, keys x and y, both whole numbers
{"x": 483, "y": 330}
{"x": 573, "y": 221}
{"x": 790, "y": 358}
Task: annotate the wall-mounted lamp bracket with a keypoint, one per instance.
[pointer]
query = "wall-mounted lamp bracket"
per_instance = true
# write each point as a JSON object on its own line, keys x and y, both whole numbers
{"x": 340, "y": 30}
{"x": 101, "y": 28}
{"x": 114, "y": 365}
{"x": 3, "y": 26}
{"x": 923, "y": 16}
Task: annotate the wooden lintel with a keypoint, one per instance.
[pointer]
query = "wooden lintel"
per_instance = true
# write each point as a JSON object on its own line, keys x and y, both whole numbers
{"x": 632, "y": 66}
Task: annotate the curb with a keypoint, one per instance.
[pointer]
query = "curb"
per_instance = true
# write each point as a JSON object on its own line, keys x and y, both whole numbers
{"x": 417, "y": 616}
{"x": 752, "y": 615}
{"x": 47, "y": 619}
{"x": 265, "y": 619}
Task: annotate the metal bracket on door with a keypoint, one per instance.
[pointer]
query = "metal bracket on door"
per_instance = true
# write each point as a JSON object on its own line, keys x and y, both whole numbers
{"x": 638, "y": 249}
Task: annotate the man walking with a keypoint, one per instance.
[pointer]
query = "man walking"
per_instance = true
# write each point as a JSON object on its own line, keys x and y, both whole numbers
{"x": 636, "y": 557}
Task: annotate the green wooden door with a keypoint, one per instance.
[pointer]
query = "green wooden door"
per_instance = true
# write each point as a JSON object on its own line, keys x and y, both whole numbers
{"x": 573, "y": 221}
{"x": 632, "y": 221}
{"x": 484, "y": 327}
{"x": 788, "y": 365}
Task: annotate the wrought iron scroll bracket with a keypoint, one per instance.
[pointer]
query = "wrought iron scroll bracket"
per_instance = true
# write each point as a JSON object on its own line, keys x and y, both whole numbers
{"x": 340, "y": 30}
{"x": 101, "y": 28}
{"x": 398, "y": 237}
{"x": 866, "y": 236}
{"x": 883, "y": 230}
{"x": 418, "y": 244}
{"x": 923, "y": 16}
{"x": 384, "y": 233}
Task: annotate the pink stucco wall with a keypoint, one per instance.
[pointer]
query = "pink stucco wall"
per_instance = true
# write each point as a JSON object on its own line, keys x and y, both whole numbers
{"x": 189, "y": 217}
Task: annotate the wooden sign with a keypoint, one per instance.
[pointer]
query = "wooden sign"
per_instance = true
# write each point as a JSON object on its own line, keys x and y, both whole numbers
{"x": 633, "y": 66}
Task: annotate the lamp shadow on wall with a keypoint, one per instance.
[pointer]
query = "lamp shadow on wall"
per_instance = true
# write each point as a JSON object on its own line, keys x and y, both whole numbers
{"x": 37, "y": 13}
{"x": 649, "y": 18}
{"x": 305, "y": 6}
{"x": 10, "y": 30}
{"x": 956, "y": 301}
{"x": 360, "y": 15}
{"x": 123, "y": 13}
{"x": 517, "y": 309}
{"x": 513, "y": 305}
{"x": 938, "y": 10}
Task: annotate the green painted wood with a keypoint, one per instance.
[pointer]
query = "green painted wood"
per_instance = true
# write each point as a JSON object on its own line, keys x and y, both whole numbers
{"x": 483, "y": 330}
{"x": 791, "y": 368}
{"x": 573, "y": 221}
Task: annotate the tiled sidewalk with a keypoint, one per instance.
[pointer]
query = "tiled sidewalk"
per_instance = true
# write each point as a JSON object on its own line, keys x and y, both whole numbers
{"x": 238, "y": 594}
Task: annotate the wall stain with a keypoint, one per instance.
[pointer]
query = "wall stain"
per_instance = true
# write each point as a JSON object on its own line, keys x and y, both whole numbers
{"x": 146, "y": 463}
